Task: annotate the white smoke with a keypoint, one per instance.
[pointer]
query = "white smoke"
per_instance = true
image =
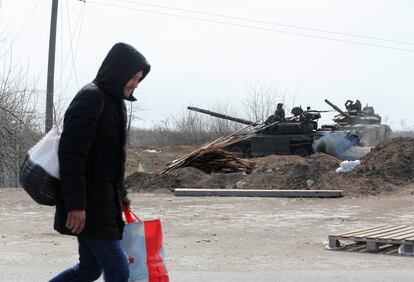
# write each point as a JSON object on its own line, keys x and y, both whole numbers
{"x": 334, "y": 144}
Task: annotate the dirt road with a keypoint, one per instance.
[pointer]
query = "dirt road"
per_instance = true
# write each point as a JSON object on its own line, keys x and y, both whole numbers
{"x": 222, "y": 239}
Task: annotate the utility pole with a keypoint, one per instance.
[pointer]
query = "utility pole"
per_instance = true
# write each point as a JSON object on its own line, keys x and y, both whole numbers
{"x": 51, "y": 67}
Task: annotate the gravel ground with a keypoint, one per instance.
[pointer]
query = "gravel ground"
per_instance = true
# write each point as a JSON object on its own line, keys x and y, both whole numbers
{"x": 222, "y": 239}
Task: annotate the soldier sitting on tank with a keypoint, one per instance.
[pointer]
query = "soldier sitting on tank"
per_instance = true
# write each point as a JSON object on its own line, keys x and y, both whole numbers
{"x": 353, "y": 108}
{"x": 279, "y": 115}
{"x": 357, "y": 106}
{"x": 297, "y": 111}
{"x": 280, "y": 112}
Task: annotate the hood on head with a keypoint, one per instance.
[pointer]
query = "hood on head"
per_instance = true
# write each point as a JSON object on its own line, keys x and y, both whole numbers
{"x": 120, "y": 64}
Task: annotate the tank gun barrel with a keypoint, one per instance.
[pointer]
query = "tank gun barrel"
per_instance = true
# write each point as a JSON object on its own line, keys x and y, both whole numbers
{"x": 336, "y": 108}
{"x": 214, "y": 114}
{"x": 319, "y": 111}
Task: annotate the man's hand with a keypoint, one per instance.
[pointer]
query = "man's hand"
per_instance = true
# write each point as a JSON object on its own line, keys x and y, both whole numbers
{"x": 126, "y": 202}
{"x": 76, "y": 221}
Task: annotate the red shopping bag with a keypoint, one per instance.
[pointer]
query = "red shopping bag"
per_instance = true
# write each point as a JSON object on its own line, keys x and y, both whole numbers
{"x": 142, "y": 242}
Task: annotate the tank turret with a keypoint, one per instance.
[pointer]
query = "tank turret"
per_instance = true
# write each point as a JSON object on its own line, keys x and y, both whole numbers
{"x": 354, "y": 114}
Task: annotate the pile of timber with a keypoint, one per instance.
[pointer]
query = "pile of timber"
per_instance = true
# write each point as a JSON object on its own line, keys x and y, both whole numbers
{"x": 217, "y": 160}
{"x": 211, "y": 157}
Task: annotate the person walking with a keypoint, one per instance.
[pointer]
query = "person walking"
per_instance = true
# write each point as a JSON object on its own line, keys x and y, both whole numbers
{"x": 92, "y": 158}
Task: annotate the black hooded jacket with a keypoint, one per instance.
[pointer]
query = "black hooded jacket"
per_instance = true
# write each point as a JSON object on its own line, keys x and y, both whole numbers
{"x": 92, "y": 147}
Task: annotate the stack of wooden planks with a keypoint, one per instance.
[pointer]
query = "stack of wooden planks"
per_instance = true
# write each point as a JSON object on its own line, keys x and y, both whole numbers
{"x": 212, "y": 158}
{"x": 217, "y": 160}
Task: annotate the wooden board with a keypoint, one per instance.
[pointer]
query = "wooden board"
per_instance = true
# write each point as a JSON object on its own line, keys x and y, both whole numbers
{"x": 258, "y": 193}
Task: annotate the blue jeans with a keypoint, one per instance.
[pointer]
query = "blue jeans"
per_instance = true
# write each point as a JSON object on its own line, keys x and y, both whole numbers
{"x": 96, "y": 256}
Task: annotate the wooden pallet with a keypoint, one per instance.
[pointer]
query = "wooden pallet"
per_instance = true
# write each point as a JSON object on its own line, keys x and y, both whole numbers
{"x": 376, "y": 239}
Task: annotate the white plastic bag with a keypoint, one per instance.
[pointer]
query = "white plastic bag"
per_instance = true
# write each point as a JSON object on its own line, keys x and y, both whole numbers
{"x": 39, "y": 174}
{"x": 347, "y": 166}
{"x": 45, "y": 152}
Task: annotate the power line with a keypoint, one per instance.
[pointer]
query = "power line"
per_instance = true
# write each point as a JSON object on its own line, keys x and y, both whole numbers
{"x": 78, "y": 29}
{"x": 26, "y": 21}
{"x": 266, "y": 22}
{"x": 71, "y": 43}
{"x": 253, "y": 27}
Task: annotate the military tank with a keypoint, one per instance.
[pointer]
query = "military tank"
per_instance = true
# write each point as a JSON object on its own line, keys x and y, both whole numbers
{"x": 362, "y": 122}
{"x": 291, "y": 136}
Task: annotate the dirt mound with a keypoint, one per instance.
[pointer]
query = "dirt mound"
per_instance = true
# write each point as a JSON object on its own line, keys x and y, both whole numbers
{"x": 391, "y": 161}
{"x": 272, "y": 172}
{"x": 282, "y": 159}
{"x": 290, "y": 172}
{"x": 187, "y": 177}
{"x": 388, "y": 167}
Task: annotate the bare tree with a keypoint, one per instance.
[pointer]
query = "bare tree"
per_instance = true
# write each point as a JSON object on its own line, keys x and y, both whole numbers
{"x": 218, "y": 126}
{"x": 262, "y": 101}
{"x": 19, "y": 120}
{"x": 186, "y": 128}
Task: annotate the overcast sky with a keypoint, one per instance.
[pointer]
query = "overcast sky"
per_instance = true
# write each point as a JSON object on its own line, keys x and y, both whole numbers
{"x": 201, "y": 59}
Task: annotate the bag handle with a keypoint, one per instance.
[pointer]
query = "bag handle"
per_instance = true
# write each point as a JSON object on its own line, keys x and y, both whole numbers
{"x": 129, "y": 215}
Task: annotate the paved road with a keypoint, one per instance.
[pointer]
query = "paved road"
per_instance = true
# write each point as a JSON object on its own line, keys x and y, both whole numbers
{"x": 222, "y": 239}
